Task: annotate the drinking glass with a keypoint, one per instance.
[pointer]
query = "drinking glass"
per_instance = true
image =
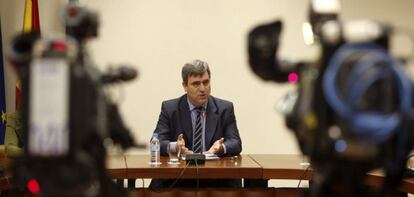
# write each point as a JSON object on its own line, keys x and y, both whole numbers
{"x": 173, "y": 153}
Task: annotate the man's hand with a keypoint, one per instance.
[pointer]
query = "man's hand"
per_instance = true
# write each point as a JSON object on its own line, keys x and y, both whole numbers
{"x": 181, "y": 149}
{"x": 217, "y": 147}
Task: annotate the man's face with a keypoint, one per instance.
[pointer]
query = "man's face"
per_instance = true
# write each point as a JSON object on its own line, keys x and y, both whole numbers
{"x": 198, "y": 88}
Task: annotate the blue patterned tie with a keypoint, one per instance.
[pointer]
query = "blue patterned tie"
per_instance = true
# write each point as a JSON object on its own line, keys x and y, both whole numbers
{"x": 198, "y": 132}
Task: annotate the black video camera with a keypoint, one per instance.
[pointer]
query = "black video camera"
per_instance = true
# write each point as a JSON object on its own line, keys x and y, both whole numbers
{"x": 352, "y": 109}
{"x": 66, "y": 112}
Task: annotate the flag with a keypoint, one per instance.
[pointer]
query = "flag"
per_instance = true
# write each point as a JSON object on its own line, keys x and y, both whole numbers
{"x": 31, "y": 23}
{"x": 3, "y": 115}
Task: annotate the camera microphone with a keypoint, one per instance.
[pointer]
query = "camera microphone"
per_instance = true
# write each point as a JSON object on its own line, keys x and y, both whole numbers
{"x": 120, "y": 74}
{"x": 263, "y": 45}
{"x": 20, "y": 52}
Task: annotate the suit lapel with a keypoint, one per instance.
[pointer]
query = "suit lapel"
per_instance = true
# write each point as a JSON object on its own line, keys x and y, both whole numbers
{"x": 185, "y": 119}
{"x": 211, "y": 121}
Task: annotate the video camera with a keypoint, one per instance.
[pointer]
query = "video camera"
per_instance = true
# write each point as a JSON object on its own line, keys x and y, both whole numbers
{"x": 352, "y": 109}
{"x": 66, "y": 112}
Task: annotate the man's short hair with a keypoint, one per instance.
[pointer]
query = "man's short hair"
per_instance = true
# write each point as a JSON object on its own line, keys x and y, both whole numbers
{"x": 194, "y": 68}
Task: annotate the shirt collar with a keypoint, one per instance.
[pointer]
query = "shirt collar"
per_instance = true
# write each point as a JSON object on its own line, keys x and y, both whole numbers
{"x": 191, "y": 106}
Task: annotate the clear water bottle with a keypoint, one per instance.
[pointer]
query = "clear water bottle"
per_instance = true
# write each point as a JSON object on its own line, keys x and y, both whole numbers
{"x": 155, "y": 149}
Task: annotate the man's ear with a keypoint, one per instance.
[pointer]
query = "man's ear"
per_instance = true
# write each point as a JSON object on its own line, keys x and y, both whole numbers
{"x": 185, "y": 86}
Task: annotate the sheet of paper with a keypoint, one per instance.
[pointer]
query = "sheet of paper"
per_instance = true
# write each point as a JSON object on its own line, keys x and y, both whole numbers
{"x": 210, "y": 156}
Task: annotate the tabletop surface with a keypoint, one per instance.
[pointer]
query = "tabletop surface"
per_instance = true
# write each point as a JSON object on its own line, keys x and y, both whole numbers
{"x": 252, "y": 166}
{"x": 279, "y": 166}
{"x": 241, "y": 166}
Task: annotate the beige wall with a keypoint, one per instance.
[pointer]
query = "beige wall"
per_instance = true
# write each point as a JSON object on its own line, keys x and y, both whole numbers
{"x": 159, "y": 36}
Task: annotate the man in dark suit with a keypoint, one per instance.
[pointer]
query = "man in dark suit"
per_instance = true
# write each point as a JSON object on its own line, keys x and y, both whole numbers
{"x": 198, "y": 123}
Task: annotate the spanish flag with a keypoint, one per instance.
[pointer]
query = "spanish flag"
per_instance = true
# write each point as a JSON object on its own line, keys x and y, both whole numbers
{"x": 31, "y": 23}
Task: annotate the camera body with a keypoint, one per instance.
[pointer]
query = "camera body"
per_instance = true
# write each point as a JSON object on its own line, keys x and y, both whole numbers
{"x": 350, "y": 111}
{"x": 66, "y": 112}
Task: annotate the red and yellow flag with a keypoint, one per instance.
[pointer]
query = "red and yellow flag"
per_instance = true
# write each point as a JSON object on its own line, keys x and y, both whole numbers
{"x": 31, "y": 23}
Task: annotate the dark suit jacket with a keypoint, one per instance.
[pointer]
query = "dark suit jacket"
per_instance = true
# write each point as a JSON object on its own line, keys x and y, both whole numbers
{"x": 175, "y": 118}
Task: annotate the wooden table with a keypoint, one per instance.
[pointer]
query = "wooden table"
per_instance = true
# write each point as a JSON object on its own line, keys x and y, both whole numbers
{"x": 241, "y": 167}
{"x": 116, "y": 165}
{"x": 288, "y": 167}
{"x": 376, "y": 178}
{"x": 253, "y": 166}
{"x": 278, "y": 166}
